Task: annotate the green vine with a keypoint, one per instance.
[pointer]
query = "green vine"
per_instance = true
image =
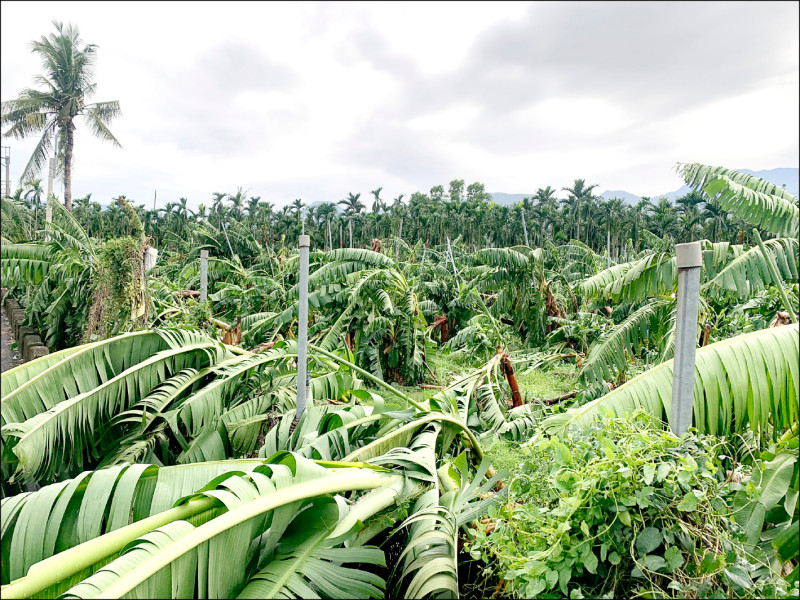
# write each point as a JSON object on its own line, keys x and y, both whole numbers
{"x": 118, "y": 290}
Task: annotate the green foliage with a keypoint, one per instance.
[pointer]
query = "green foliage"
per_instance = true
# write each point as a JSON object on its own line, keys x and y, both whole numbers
{"x": 627, "y": 510}
{"x": 118, "y": 289}
{"x": 766, "y": 506}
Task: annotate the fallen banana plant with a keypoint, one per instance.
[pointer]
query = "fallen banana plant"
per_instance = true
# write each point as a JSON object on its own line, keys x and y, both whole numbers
{"x": 751, "y": 379}
{"x": 281, "y": 527}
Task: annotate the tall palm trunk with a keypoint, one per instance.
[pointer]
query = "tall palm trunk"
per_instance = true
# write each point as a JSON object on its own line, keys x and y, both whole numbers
{"x": 68, "y": 165}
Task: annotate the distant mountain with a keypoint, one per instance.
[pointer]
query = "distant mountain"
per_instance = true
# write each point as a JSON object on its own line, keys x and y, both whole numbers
{"x": 787, "y": 176}
{"x": 790, "y": 177}
{"x": 627, "y": 197}
{"x": 508, "y": 199}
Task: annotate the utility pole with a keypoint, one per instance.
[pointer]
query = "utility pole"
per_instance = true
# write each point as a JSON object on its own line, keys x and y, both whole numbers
{"x": 225, "y": 231}
{"x": 350, "y": 226}
{"x": 7, "y": 162}
{"x": 303, "y": 376}
{"x": 155, "y": 193}
{"x": 688, "y": 258}
{"x": 608, "y": 248}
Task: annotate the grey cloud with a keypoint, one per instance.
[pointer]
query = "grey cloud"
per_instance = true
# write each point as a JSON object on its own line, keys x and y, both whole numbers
{"x": 198, "y": 102}
{"x": 651, "y": 58}
{"x": 391, "y": 146}
{"x": 645, "y": 55}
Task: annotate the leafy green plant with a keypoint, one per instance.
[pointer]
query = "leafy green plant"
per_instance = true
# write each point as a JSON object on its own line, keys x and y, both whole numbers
{"x": 627, "y": 510}
{"x": 118, "y": 302}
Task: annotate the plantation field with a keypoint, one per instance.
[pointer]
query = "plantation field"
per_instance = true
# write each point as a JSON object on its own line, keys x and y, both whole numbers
{"x": 481, "y": 421}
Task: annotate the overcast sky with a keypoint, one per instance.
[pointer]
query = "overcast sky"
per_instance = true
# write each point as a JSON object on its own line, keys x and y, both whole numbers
{"x": 314, "y": 100}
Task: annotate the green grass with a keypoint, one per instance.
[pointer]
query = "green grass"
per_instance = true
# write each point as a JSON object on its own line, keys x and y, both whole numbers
{"x": 549, "y": 382}
{"x": 504, "y": 454}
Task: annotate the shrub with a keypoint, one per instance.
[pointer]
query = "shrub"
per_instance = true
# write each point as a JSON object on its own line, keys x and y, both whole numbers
{"x": 632, "y": 511}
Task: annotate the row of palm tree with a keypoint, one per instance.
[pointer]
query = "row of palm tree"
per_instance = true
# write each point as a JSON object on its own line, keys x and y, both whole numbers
{"x": 603, "y": 225}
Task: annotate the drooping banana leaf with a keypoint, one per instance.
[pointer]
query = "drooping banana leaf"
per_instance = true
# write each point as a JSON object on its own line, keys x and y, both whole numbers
{"x": 61, "y": 438}
{"x": 749, "y": 273}
{"x": 748, "y": 379}
{"x": 750, "y": 198}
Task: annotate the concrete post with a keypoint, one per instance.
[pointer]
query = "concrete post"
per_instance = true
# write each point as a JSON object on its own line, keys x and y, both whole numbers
{"x": 303, "y": 378}
{"x": 203, "y": 275}
{"x": 524, "y": 227}
{"x": 8, "y": 174}
{"x": 688, "y": 258}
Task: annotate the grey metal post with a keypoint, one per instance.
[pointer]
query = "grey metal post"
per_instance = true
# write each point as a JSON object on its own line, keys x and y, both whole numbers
{"x": 203, "y": 275}
{"x": 524, "y": 227}
{"x": 688, "y": 258}
{"x": 303, "y": 379}
{"x": 399, "y": 239}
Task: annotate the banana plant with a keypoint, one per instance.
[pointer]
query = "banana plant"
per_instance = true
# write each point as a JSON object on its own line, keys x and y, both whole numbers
{"x": 647, "y": 285}
{"x": 284, "y": 526}
{"x": 751, "y": 380}
{"x": 362, "y": 301}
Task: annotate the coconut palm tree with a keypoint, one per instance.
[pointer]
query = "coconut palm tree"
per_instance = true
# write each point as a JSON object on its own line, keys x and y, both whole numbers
{"x": 69, "y": 66}
{"x": 665, "y": 218}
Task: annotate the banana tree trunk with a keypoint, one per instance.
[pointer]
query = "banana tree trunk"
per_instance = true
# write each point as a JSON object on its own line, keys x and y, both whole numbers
{"x": 508, "y": 371}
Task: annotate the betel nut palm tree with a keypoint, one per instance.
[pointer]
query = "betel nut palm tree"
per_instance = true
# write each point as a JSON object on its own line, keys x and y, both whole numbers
{"x": 68, "y": 82}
